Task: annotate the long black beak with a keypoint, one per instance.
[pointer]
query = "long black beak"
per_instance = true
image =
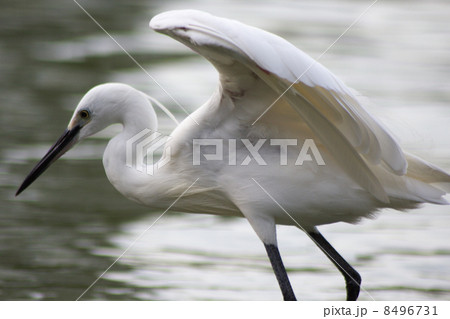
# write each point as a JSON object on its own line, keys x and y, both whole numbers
{"x": 62, "y": 145}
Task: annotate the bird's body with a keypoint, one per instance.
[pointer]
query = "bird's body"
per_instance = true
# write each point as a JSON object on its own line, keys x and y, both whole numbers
{"x": 255, "y": 158}
{"x": 324, "y": 193}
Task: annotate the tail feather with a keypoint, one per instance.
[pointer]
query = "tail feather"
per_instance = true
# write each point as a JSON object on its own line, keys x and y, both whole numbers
{"x": 425, "y": 172}
{"x": 422, "y": 183}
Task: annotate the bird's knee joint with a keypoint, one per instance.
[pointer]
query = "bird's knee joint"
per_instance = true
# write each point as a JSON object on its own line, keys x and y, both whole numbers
{"x": 353, "y": 280}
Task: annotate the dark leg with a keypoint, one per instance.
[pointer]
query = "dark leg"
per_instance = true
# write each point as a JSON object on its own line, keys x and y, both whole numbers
{"x": 280, "y": 272}
{"x": 352, "y": 278}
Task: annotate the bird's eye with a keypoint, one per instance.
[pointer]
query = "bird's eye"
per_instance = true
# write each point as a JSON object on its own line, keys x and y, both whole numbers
{"x": 84, "y": 114}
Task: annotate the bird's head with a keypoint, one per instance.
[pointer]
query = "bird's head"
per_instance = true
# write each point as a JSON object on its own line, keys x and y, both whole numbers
{"x": 102, "y": 106}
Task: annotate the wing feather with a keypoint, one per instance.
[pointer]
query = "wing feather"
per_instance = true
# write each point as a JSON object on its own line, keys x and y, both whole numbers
{"x": 331, "y": 110}
{"x": 343, "y": 152}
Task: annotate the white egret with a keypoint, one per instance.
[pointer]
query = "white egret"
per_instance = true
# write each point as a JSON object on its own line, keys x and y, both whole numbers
{"x": 271, "y": 98}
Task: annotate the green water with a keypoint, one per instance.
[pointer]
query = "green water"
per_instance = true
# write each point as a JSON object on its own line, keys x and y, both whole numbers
{"x": 71, "y": 225}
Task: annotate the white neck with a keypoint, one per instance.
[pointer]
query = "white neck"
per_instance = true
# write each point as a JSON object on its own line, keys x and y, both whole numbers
{"x": 129, "y": 179}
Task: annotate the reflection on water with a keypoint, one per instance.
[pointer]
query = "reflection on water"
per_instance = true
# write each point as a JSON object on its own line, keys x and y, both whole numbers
{"x": 71, "y": 224}
{"x": 198, "y": 258}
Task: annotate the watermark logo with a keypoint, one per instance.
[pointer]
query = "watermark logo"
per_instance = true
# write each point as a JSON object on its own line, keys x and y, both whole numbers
{"x": 142, "y": 148}
{"x": 141, "y": 151}
{"x": 228, "y": 151}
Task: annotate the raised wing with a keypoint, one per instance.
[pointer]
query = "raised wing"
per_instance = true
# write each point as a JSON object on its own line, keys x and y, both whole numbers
{"x": 329, "y": 108}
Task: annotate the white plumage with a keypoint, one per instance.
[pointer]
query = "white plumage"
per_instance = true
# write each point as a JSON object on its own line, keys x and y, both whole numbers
{"x": 255, "y": 68}
{"x": 269, "y": 90}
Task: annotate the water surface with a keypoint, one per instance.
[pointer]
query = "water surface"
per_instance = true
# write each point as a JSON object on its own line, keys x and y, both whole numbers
{"x": 69, "y": 226}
